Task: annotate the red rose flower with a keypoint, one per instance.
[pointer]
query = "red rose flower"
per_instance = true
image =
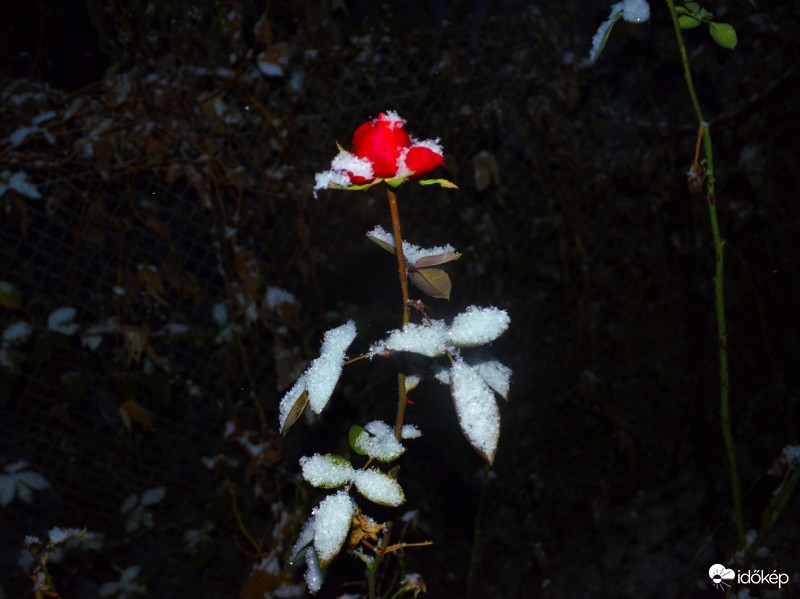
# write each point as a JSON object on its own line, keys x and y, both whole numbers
{"x": 382, "y": 149}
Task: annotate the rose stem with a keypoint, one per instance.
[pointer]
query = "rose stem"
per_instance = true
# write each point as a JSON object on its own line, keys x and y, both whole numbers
{"x": 401, "y": 269}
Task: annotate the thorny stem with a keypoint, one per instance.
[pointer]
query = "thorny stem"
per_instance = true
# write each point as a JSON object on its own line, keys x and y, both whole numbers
{"x": 401, "y": 269}
{"x": 719, "y": 293}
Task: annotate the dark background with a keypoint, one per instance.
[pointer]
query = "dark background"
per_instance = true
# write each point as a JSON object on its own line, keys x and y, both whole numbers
{"x": 170, "y": 148}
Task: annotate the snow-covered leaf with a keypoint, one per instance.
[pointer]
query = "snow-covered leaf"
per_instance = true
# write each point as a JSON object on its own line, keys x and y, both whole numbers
{"x": 331, "y": 525}
{"x": 321, "y": 377}
{"x": 496, "y": 375}
{"x": 377, "y": 441}
{"x": 478, "y": 326}
{"x": 314, "y": 573}
{"x": 324, "y": 372}
{"x": 476, "y": 409}
{"x": 327, "y": 471}
{"x": 426, "y": 339}
{"x": 378, "y": 487}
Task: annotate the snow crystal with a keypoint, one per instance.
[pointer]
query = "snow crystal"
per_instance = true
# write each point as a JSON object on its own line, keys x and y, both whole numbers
{"x": 20, "y": 134}
{"x": 331, "y": 524}
{"x": 18, "y": 182}
{"x": 791, "y": 455}
{"x": 343, "y": 165}
{"x": 153, "y": 496}
{"x": 276, "y": 296}
{"x": 326, "y": 470}
{"x": 394, "y": 119}
{"x": 17, "y": 331}
{"x": 314, "y": 574}
{"x": 411, "y": 252}
{"x": 635, "y": 11}
{"x": 410, "y": 431}
{"x": 59, "y": 535}
{"x": 476, "y": 409}
{"x": 426, "y": 339}
{"x": 496, "y": 375}
{"x": 378, "y": 441}
{"x": 378, "y": 487}
{"x": 270, "y": 69}
{"x": 477, "y": 326}
{"x": 323, "y": 374}
{"x": 347, "y": 162}
{"x": 220, "y": 314}
{"x": 43, "y": 118}
{"x": 60, "y": 319}
{"x": 327, "y": 179}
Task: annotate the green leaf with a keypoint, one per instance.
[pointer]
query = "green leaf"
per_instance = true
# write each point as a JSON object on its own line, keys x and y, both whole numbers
{"x": 354, "y": 437}
{"x": 297, "y": 410}
{"x": 723, "y": 34}
{"x": 440, "y": 182}
{"x": 692, "y": 7}
{"x": 432, "y": 281}
{"x": 688, "y": 22}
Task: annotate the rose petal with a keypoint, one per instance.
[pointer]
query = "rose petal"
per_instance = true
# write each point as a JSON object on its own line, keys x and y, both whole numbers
{"x": 381, "y": 141}
{"x": 421, "y": 159}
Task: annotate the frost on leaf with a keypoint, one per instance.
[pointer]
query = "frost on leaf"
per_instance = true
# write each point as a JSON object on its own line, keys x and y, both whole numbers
{"x": 496, "y": 375}
{"x": 314, "y": 574}
{"x": 331, "y": 525}
{"x": 376, "y": 440}
{"x": 476, "y": 409}
{"x": 379, "y": 487}
{"x": 321, "y": 377}
{"x": 478, "y": 326}
{"x": 425, "y": 339}
{"x": 326, "y": 471}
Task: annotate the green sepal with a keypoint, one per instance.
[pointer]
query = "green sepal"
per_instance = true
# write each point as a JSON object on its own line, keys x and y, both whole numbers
{"x": 440, "y": 182}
